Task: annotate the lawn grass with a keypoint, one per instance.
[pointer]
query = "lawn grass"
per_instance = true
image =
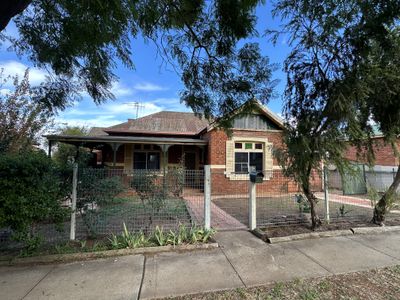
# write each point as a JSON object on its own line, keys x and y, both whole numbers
{"x": 375, "y": 284}
{"x": 138, "y": 215}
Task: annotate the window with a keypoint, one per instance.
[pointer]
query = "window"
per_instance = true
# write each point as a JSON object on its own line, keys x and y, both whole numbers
{"x": 249, "y": 156}
{"x": 238, "y": 145}
{"x": 248, "y": 145}
{"x": 246, "y": 161}
{"x": 146, "y": 160}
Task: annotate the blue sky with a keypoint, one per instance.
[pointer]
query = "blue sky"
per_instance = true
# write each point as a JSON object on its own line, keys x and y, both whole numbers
{"x": 152, "y": 83}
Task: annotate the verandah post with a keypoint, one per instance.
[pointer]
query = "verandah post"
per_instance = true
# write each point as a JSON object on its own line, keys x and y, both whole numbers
{"x": 207, "y": 197}
{"x": 73, "y": 206}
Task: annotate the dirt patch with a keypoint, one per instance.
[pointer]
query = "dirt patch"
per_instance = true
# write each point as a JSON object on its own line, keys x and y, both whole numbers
{"x": 281, "y": 231}
{"x": 375, "y": 284}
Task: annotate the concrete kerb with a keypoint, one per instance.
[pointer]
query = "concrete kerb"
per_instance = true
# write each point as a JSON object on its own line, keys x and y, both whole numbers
{"x": 372, "y": 230}
{"x": 324, "y": 234}
{"x": 72, "y": 257}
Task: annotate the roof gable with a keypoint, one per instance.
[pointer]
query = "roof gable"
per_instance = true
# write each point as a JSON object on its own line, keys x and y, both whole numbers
{"x": 273, "y": 121}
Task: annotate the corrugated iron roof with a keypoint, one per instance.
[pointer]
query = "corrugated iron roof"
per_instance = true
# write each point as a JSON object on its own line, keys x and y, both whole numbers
{"x": 164, "y": 122}
{"x": 97, "y": 131}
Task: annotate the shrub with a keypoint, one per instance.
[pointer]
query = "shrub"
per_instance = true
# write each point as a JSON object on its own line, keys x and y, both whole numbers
{"x": 94, "y": 193}
{"x": 32, "y": 190}
{"x": 176, "y": 180}
{"x": 150, "y": 191}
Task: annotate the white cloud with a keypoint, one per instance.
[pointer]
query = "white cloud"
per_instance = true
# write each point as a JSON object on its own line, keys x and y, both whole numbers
{"x": 12, "y": 68}
{"x": 97, "y": 121}
{"x": 148, "y": 87}
{"x": 173, "y": 104}
{"x": 5, "y": 92}
{"x": 120, "y": 90}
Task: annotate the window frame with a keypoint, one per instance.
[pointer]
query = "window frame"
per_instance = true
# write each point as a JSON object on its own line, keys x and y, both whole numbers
{"x": 248, "y": 151}
{"x": 147, "y": 152}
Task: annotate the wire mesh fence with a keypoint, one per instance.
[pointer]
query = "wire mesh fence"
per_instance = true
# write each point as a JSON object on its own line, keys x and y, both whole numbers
{"x": 281, "y": 202}
{"x": 140, "y": 199}
{"x": 144, "y": 200}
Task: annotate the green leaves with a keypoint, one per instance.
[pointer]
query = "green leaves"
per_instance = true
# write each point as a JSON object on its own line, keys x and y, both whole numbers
{"x": 83, "y": 41}
{"x": 32, "y": 191}
{"x": 160, "y": 237}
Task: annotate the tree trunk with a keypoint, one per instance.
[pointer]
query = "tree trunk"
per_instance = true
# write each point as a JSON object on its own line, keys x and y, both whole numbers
{"x": 9, "y": 9}
{"x": 315, "y": 220}
{"x": 383, "y": 204}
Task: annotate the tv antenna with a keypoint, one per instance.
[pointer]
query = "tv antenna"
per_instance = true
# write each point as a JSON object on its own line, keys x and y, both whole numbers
{"x": 136, "y": 106}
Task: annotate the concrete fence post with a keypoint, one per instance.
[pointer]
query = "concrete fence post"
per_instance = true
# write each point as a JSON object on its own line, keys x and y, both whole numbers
{"x": 73, "y": 206}
{"x": 252, "y": 206}
{"x": 207, "y": 197}
{"x": 326, "y": 195}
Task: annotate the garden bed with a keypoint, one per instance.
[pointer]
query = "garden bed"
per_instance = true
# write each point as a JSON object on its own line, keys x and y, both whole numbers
{"x": 182, "y": 236}
{"x": 304, "y": 231}
{"x": 90, "y": 255}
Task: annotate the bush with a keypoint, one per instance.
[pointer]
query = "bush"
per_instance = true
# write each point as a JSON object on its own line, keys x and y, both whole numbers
{"x": 96, "y": 191}
{"x": 150, "y": 191}
{"x": 176, "y": 180}
{"x": 32, "y": 190}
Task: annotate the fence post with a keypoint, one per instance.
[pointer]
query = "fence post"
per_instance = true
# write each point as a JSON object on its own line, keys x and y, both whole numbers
{"x": 207, "y": 197}
{"x": 326, "y": 195}
{"x": 252, "y": 206}
{"x": 73, "y": 206}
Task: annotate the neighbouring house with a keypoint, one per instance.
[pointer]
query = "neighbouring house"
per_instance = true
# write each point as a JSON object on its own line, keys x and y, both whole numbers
{"x": 384, "y": 155}
{"x": 379, "y": 176}
{"x": 166, "y": 139}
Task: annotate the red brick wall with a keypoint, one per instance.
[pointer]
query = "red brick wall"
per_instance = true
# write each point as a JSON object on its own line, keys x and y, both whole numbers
{"x": 217, "y": 140}
{"x": 383, "y": 153}
{"x": 277, "y": 183}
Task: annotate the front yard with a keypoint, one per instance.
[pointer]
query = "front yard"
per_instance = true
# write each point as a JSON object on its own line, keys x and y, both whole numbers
{"x": 284, "y": 210}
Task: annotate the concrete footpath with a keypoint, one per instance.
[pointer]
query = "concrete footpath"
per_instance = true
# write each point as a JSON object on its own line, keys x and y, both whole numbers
{"x": 242, "y": 261}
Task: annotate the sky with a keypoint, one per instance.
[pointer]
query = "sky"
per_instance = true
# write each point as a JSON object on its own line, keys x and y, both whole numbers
{"x": 155, "y": 85}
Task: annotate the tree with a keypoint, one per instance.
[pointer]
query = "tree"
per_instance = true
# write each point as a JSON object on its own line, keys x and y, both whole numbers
{"x": 343, "y": 54}
{"x": 64, "y": 151}
{"x": 22, "y": 118}
{"x": 32, "y": 190}
{"x": 81, "y": 42}
{"x": 381, "y": 73}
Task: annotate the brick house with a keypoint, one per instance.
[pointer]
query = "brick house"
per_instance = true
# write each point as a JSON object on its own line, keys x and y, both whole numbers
{"x": 384, "y": 155}
{"x": 166, "y": 139}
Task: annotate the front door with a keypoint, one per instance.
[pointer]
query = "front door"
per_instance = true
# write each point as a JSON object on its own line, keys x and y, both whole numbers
{"x": 190, "y": 160}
